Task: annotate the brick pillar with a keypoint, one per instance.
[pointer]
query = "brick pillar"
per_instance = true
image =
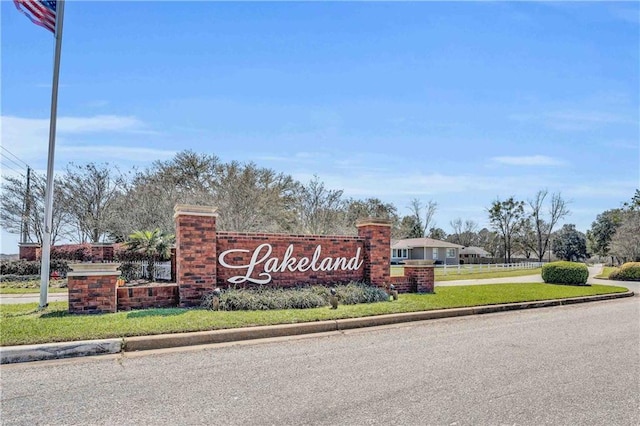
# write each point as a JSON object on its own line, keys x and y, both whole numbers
{"x": 28, "y": 251}
{"x": 421, "y": 277}
{"x": 196, "y": 255}
{"x": 377, "y": 250}
{"x": 93, "y": 288}
{"x": 102, "y": 252}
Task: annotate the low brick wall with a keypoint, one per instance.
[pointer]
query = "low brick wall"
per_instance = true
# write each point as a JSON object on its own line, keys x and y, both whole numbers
{"x": 92, "y": 293}
{"x": 403, "y": 284}
{"x": 144, "y": 297}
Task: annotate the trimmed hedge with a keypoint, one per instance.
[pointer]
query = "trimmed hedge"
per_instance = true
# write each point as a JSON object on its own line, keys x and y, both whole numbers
{"x": 629, "y": 271}
{"x": 25, "y": 267}
{"x": 563, "y": 272}
{"x": 267, "y": 298}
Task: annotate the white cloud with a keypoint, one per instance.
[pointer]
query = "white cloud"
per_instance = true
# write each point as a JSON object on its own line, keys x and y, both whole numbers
{"x": 530, "y": 160}
{"x": 28, "y": 138}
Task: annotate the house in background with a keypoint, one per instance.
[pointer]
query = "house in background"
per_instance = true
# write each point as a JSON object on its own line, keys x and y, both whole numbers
{"x": 472, "y": 254}
{"x": 442, "y": 252}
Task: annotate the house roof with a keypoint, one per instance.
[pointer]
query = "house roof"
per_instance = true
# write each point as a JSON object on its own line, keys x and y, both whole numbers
{"x": 474, "y": 250}
{"x": 422, "y": 242}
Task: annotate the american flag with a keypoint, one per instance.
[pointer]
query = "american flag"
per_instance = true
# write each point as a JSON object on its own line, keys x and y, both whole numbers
{"x": 40, "y": 12}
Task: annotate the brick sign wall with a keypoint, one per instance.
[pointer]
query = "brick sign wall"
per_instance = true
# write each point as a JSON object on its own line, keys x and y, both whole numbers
{"x": 288, "y": 260}
{"x": 206, "y": 258}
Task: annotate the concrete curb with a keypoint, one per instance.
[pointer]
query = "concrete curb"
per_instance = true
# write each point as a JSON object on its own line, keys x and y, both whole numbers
{"x": 26, "y": 353}
{"x": 15, "y": 354}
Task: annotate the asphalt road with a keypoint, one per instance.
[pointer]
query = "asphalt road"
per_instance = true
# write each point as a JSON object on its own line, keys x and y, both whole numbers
{"x": 577, "y": 364}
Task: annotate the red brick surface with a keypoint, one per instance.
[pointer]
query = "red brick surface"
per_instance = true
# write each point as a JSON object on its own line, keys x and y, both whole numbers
{"x": 29, "y": 252}
{"x": 303, "y": 246}
{"x": 196, "y": 257}
{"x": 377, "y": 251}
{"x": 422, "y": 277}
{"x": 102, "y": 253}
{"x": 92, "y": 294}
{"x": 144, "y": 297}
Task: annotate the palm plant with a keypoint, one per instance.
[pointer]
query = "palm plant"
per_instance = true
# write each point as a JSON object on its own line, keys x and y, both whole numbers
{"x": 152, "y": 245}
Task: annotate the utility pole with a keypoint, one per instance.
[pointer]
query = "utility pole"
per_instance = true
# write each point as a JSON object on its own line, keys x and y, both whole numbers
{"x": 27, "y": 209}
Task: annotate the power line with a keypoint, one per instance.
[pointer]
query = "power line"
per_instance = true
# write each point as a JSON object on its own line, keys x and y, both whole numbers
{"x": 13, "y": 169}
{"x": 5, "y": 158}
{"x": 15, "y": 156}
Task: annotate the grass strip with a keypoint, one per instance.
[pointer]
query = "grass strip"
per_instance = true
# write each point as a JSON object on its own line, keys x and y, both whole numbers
{"x": 606, "y": 271}
{"x": 23, "y": 324}
{"x": 10, "y": 290}
{"x": 488, "y": 274}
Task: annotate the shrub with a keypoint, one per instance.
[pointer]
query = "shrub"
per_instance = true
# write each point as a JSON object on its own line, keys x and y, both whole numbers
{"x": 267, "y": 298}
{"x": 76, "y": 252}
{"x": 565, "y": 273}
{"x": 130, "y": 271}
{"x": 20, "y": 267}
{"x": 18, "y": 278}
{"x": 629, "y": 271}
{"x": 25, "y": 267}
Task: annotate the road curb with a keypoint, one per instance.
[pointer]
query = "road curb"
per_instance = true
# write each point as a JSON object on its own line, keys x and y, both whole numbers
{"x": 48, "y": 351}
{"x": 16, "y": 354}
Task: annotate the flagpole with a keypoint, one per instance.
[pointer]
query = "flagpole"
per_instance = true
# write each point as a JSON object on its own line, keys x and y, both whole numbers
{"x": 48, "y": 206}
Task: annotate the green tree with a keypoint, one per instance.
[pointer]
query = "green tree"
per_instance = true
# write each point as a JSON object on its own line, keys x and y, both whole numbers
{"x": 570, "y": 244}
{"x": 602, "y": 231}
{"x": 152, "y": 245}
{"x": 437, "y": 234}
{"x": 506, "y": 218}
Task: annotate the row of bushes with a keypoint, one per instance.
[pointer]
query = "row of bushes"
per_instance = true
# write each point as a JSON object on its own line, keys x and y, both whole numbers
{"x": 266, "y": 298}
{"x": 82, "y": 253}
{"x": 629, "y": 271}
{"x": 25, "y": 267}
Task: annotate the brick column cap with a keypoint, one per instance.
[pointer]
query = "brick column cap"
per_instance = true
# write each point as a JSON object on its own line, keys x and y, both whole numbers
{"x": 369, "y": 221}
{"x": 419, "y": 266}
{"x": 101, "y": 244}
{"x": 93, "y": 269}
{"x": 29, "y": 244}
{"x": 192, "y": 210}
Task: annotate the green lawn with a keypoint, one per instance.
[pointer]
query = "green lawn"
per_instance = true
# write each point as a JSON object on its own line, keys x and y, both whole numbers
{"x": 24, "y": 324}
{"x": 452, "y": 274}
{"x": 606, "y": 271}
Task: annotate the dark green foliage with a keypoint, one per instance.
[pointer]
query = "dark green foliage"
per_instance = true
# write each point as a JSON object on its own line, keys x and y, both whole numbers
{"x": 24, "y": 267}
{"x": 569, "y": 244}
{"x": 130, "y": 271}
{"x": 630, "y": 271}
{"x": 266, "y": 298}
{"x": 565, "y": 273}
{"x": 18, "y": 278}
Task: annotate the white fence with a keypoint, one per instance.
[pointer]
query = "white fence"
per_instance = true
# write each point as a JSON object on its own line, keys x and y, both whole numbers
{"x": 472, "y": 269}
{"x": 161, "y": 270}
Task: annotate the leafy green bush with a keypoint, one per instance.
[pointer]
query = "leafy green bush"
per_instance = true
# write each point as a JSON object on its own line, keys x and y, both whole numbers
{"x": 130, "y": 271}
{"x": 267, "y": 298}
{"x": 565, "y": 273}
{"x": 18, "y": 278}
{"x": 24, "y": 267}
{"x": 629, "y": 271}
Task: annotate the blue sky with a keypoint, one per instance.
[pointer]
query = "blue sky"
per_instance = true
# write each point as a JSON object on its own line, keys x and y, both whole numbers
{"x": 455, "y": 102}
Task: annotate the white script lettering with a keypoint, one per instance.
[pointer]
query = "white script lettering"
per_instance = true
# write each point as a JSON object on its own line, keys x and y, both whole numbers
{"x": 262, "y": 255}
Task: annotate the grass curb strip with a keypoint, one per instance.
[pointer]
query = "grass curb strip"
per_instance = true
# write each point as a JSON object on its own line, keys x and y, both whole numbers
{"x": 25, "y": 353}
